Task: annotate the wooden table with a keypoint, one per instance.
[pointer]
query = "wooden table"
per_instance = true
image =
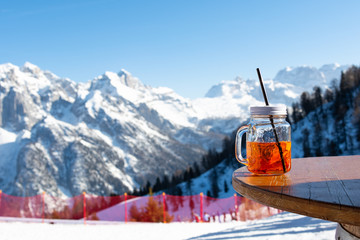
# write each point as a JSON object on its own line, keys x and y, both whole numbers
{"x": 320, "y": 187}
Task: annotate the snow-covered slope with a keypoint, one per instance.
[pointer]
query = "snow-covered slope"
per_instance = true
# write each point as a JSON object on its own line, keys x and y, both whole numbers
{"x": 287, "y": 226}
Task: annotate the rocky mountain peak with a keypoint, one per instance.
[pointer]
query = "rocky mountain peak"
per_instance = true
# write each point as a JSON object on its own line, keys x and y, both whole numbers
{"x": 30, "y": 68}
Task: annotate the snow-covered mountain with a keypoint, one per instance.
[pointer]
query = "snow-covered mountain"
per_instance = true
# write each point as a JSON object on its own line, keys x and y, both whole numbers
{"x": 107, "y": 136}
{"x": 230, "y": 99}
{"x": 287, "y": 85}
{"x": 113, "y": 134}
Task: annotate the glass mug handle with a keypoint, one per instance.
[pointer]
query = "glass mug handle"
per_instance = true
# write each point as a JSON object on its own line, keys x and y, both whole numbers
{"x": 238, "y": 140}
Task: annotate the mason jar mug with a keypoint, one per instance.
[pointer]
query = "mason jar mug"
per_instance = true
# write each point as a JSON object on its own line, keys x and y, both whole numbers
{"x": 268, "y": 141}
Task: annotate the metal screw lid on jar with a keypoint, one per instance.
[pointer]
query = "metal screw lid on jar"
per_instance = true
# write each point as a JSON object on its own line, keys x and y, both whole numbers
{"x": 268, "y": 110}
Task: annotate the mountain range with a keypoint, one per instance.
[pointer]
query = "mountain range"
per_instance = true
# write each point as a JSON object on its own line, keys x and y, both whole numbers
{"x": 114, "y": 134}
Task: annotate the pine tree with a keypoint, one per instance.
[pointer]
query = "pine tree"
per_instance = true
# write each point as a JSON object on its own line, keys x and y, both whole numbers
{"x": 317, "y": 139}
{"x": 317, "y": 99}
{"x": 158, "y": 185}
{"x": 305, "y": 103}
{"x": 306, "y": 147}
{"x": 356, "y": 116}
{"x": 328, "y": 96}
{"x": 214, "y": 183}
{"x": 197, "y": 171}
{"x": 296, "y": 113}
{"x": 334, "y": 149}
{"x": 189, "y": 186}
{"x": 226, "y": 188}
{"x": 165, "y": 183}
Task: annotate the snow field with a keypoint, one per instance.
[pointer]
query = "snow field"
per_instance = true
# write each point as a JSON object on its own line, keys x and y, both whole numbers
{"x": 282, "y": 226}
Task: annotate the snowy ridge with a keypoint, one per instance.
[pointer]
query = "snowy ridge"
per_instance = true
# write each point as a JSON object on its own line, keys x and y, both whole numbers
{"x": 231, "y": 99}
{"x": 286, "y": 87}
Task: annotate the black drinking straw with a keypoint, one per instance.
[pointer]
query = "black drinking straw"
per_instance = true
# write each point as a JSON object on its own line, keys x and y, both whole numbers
{"x": 271, "y": 119}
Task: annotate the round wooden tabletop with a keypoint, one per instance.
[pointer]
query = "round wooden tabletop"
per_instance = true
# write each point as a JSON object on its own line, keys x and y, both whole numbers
{"x": 320, "y": 187}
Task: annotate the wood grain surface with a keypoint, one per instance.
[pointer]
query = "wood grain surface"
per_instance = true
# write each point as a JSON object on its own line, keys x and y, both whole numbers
{"x": 320, "y": 187}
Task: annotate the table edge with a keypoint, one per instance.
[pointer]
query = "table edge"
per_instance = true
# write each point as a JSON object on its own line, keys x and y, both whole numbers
{"x": 314, "y": 208}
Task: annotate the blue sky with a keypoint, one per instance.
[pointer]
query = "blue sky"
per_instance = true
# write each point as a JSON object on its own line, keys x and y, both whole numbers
{"x": 187, "y": 45}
